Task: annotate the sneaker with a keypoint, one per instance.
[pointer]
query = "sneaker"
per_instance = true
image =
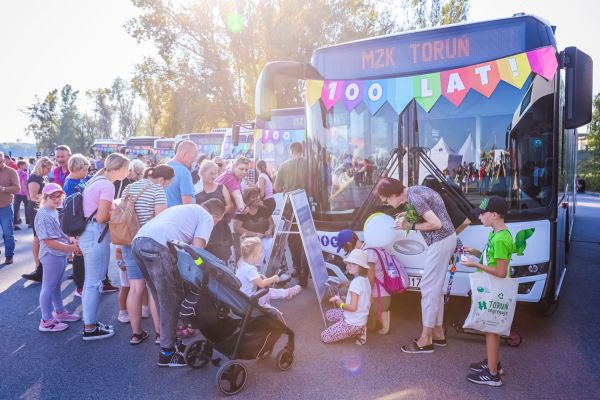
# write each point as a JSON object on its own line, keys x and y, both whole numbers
{"x": 16, "y": 228}
{"x": 78, "y": 292}
{"x": 52, "y": 326}
{"x": 145, "y": 312}
{"x": 293, "y": 291}
{"x": 65, "y": 316}
{"x": 8, "y": 260}
{"x": 107, "y": 287}
{"x": 414, "y": 348}
{"x": 97, "y": 334}
{"x": 171, "y": 359}
{"x": 483, "y": 365}
{"x": 105, "y": 327}
{"x": 157, "y": 338}
{"x": 485, "y": 378}
{"x": 36, "y": 275}
{"x": 123, "y": 317}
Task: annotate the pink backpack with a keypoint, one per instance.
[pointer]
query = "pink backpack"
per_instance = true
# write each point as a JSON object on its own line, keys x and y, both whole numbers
{"x": 395, "y": 278}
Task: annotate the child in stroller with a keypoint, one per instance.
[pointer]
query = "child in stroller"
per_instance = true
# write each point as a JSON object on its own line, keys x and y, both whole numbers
{"x": 247, "y": 273}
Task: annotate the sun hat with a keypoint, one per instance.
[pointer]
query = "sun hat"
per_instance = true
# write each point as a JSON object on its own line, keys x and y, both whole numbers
{"x": 358, "y": 257}
{"x": 52, "y": 188}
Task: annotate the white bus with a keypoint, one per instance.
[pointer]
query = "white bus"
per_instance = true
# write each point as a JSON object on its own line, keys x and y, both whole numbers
{"x": 208, "y": 143}
{"x": 411, "y": 104}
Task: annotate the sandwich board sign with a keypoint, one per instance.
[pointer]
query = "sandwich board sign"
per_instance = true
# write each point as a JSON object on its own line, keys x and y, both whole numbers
{"x": 296, "y": 208}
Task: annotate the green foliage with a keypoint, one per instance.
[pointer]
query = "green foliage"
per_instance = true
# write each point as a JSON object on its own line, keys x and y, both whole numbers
{"x": 44, "y": 120}
{"x": 590, "y": 167}
{"x": 420, "y": 14}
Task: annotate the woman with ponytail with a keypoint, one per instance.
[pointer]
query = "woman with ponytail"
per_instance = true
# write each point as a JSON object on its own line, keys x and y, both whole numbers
{"x": 94, "y": 242}
{"x": 151, "y": 202}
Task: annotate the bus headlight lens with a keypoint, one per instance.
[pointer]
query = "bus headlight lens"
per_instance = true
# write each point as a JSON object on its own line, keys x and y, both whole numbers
{"x": 534, "y": 269}
{"x": 529, "y": 270}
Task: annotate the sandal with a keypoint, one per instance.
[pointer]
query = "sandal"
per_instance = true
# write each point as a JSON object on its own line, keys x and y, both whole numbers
{"x": 138, "y": 338}
{"x": 414, "y": 348}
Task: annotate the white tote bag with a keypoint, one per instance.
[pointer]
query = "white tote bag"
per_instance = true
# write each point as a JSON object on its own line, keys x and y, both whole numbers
{"x": 493, "y": 302}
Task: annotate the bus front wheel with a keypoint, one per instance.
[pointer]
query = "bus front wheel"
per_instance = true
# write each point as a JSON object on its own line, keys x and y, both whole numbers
{"x": 547, "y": 308}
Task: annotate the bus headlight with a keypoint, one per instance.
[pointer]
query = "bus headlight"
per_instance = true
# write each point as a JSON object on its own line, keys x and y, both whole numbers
{"x": 529, "y": 270}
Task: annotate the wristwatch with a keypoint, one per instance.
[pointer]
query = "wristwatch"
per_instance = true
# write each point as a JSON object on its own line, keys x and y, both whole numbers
{"x": 121, "y": 264}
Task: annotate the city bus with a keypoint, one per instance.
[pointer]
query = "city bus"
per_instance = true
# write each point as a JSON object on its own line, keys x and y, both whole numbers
{"x": 245, "y": 146}
{"x": 141, "y": 146}
{"x": 287, "y": 125}
{"x": 165, "y": 149}
{"x": 409, "y": 104}
{"x": 209, "y": 143}
{"x": 103, "y": 147}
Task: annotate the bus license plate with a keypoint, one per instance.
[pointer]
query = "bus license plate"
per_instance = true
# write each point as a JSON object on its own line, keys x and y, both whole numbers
{"x": 413, "y": 282}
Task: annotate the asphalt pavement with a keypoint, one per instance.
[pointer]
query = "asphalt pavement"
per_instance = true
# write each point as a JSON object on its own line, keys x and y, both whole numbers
{"x": 558, "y": 359}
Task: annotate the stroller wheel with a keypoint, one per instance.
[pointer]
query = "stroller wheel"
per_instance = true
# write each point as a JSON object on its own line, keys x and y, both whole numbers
{"x": 198, "y": 353}
{"x": 284, "y": 359}
{"x": 231, "y": 377}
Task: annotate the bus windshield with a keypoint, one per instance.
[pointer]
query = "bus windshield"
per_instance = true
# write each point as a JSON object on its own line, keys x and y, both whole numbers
{"x": 502, "y": 145}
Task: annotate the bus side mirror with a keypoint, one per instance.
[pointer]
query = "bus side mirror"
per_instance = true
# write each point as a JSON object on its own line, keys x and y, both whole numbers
{"x": 578, "y": 87}
{"x": 235, "y": 134}
{"x": 265, "y": 99}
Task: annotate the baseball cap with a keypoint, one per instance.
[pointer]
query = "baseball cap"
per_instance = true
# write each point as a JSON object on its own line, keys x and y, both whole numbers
{"x": 343, "y": 238}
{"x": 358, "y": 257}
{"x": 52, "y": 188}
{"x": 491, "y": 204}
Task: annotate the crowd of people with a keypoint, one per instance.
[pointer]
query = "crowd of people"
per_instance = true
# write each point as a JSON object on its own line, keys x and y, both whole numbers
{"x": 221, "y": 212}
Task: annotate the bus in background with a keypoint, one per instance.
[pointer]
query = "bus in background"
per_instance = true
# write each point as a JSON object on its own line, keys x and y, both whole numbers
{"x": 287, "y": 125}
{"x": 165, "y": 149}
{"x": 406, "y": 105}
{"x": 208, "y": 143}
{"x": 141, "y": 147}
{"x": 244, "y": 148}
{"x": 103, "y": 147}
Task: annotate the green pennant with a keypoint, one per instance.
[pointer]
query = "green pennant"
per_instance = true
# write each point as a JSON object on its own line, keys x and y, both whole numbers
{"x": 427, "y": 89}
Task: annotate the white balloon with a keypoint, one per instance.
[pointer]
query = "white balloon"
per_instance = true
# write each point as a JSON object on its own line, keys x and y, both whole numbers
{"x": 379, "y": 231}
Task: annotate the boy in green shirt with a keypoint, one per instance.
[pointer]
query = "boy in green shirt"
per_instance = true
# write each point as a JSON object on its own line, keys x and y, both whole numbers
{"x": 498, "y": 251}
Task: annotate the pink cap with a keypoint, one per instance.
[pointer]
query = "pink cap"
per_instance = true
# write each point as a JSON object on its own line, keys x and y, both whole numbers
{"x": 52, "y": 188}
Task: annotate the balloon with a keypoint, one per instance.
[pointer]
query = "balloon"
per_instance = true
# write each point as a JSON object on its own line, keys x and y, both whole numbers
{"x": 370, "y": 217}
{"x": 379, "y": 230}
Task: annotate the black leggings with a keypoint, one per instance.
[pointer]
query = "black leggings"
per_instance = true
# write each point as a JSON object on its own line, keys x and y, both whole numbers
{"x": 20, "y": 199}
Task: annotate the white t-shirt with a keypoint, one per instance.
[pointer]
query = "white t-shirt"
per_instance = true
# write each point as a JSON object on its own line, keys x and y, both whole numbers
{"x": 361, "y": 286}
{"x": 183, "y": 223}
{"x": 247, "y": 273}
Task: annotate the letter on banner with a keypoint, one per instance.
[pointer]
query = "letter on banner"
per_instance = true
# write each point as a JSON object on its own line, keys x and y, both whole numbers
{"x": 514, "y": 69}
{"x": 331, "y": 93}
{"x": 543, "y": 62}
{"x": 276, "y": 137}
{"x": 427, "y": 90}
{"x": 353, "y": 94}
{"x": 455, "y": 85}
{"x": 483, "y": 77}
{"x": 376, "y": 95}
{"x": 400, "y": 93}
{"x": 313, "y": 91}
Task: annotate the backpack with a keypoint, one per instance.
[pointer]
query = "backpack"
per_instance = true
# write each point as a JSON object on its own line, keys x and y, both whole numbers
{"x": 395, "y": 278}
{"x": 124, "y": 223}
{"x": 72, "y": 219}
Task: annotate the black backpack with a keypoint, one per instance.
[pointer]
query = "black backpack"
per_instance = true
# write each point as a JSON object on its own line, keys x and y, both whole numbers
{"x": 72, "y": 220}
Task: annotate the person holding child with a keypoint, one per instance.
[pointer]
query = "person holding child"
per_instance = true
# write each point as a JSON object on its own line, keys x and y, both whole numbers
{"x": 350, "y": 316}
{"x": 494, "y": 260}
{"x": 55, "y": 246}
{"x": 247, "y": 273}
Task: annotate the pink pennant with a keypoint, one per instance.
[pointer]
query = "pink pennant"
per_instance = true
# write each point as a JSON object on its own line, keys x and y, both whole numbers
{"x": 331, "y": 93}
{"x": 543, "y": 62}
{"x": 455, "y": 85}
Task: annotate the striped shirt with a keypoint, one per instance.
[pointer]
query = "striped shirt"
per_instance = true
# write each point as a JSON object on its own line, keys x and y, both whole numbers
{"x": 154, "y": 195}
{"x": 47, "y": 226}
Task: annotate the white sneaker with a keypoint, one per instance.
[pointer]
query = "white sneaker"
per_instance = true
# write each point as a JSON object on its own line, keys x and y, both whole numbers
{"x": 123, "y": 317}
{"x": 293, "y": 291}
{"x": 145, "y": 311}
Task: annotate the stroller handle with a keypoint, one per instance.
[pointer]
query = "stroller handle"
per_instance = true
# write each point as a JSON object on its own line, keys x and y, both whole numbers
{"x": 175, "y": 245}
{"x": 259, "y": 294}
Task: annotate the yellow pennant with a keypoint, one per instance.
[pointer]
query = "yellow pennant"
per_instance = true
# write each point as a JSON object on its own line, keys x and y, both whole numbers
{"x": 514, "y": 69}
{"x": 313, "y": 91}
{"x": 257, "y": 135}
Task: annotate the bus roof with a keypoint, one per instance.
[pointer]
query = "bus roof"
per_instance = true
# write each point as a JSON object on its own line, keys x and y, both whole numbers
{"x": 435, "y": 49}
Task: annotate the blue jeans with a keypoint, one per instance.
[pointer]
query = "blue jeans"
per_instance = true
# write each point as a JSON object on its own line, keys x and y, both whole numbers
{"x": 6, "y": 222}
{"x": 96, "y": 257}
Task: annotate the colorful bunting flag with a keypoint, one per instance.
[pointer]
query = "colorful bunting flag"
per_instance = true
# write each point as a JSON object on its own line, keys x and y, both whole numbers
{"x": 426, "y": 89}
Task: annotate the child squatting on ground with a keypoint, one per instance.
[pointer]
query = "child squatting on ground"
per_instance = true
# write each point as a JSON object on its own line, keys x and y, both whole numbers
{"x": 498, "y": 252}
{"x": 350, "y": 316}
{"x": 247, "y": 273}
{"x": 55, "y": 246}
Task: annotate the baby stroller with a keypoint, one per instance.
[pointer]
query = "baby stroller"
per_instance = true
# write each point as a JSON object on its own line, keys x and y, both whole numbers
{"x": 233, "y": 324}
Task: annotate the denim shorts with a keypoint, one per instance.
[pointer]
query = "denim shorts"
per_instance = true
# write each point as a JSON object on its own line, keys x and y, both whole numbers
{"x": 133, "y": 270}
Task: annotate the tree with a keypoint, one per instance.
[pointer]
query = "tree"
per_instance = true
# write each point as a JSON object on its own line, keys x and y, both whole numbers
{"x": 420, "y": 14}
{"x": 211, "y": 53}
{"x": 69, "y": 118}
{"x": 44, "y": 120}
{"x": 103, "y": 111}
{"x": 590, "y": 167}
{"x": 122, "y": 97}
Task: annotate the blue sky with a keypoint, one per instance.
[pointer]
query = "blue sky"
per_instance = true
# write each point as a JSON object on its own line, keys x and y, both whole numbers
{"x": 48, "y": 43}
